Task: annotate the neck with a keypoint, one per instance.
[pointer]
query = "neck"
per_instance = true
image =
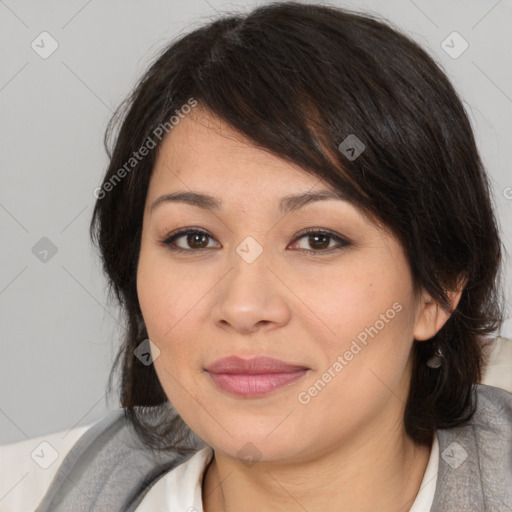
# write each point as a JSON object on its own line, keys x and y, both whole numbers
{"x": 384, "y": 474}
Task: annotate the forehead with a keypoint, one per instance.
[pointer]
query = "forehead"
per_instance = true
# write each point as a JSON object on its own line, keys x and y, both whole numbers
{"x": 203, "y": 154}
{"x": 203, "y": 150}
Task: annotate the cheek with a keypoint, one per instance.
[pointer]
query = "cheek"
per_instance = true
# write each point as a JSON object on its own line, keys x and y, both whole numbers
{"x": 349, "y": 303}
{"x": 368, "y": 321}
{"x": 170, "y": 301}
{"x": 167, "y": 295}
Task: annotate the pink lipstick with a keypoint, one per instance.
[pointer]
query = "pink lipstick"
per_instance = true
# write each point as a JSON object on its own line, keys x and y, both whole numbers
{"x": 253, "y": 377}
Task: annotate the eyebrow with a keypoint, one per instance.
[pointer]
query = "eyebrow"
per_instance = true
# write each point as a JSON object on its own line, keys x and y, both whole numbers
{"x": 287, "y": 204}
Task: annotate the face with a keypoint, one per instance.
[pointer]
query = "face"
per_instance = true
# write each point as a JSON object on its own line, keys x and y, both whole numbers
{"x": 316, "y": 286}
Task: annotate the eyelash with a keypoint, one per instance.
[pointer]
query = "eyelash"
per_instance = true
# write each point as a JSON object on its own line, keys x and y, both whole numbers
{"x": 343, "y": 242}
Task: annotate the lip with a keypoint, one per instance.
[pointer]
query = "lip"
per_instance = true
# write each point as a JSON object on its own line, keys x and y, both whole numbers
{"x": 252, "y": 377}
{"x": 253, "y": 365}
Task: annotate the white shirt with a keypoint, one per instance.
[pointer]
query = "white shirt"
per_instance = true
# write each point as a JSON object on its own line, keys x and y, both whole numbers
{"x": 27, "y": 468}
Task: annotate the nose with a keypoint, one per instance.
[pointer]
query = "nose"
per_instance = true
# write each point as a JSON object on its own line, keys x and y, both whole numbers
{"x": 251, "y": 297}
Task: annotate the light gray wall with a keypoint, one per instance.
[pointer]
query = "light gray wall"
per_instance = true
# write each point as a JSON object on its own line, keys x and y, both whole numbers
{"x": 58, "y": 336}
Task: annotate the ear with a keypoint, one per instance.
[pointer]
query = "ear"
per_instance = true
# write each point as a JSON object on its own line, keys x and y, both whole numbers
{"x": 431, "y": 316}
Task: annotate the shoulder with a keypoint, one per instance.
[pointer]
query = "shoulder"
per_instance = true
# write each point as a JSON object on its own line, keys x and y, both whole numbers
{"x": 494, "y": 412}
{"x": 475, "y": 459}
{"x": 489, "y": 432}
{"x": 28, "y": 467}
{"x": 110, "y": 467}
{"x": 498, "y": 371}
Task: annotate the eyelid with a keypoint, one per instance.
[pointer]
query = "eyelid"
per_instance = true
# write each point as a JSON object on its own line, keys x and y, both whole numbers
{"x": 340, "y": 239}
{"x": 168, "y": 239}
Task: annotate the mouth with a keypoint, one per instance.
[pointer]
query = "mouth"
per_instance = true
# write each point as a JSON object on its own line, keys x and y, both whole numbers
{"x": 253, "y": 377}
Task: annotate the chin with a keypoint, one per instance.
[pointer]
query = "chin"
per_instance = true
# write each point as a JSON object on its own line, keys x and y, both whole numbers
{"x": 267, "y": 442}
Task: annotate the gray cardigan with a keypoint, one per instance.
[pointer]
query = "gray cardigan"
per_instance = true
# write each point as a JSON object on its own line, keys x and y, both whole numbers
{"x": 110, "y": 469}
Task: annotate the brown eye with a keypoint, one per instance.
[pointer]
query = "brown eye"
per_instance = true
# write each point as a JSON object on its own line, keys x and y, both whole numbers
{"x": 319, "y": 241}
{"x": 197, "y": 240}
{"x": 190, "y": 240}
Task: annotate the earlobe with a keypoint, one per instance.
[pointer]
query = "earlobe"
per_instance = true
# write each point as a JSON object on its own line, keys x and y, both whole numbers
{"x": 432, "y": 316}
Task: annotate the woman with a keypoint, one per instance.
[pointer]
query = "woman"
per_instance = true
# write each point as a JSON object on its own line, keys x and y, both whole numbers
{"x": 298, "y": 225}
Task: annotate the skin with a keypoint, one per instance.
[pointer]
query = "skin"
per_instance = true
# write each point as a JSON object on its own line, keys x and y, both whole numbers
{"x": 346, "y": 449}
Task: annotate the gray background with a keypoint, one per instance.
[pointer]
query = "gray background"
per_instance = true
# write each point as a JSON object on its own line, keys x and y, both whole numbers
{"x": 58, "y": 335}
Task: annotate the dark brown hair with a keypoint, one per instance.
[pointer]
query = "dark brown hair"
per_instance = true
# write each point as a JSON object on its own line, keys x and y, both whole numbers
{"x": 297, "y": 80}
